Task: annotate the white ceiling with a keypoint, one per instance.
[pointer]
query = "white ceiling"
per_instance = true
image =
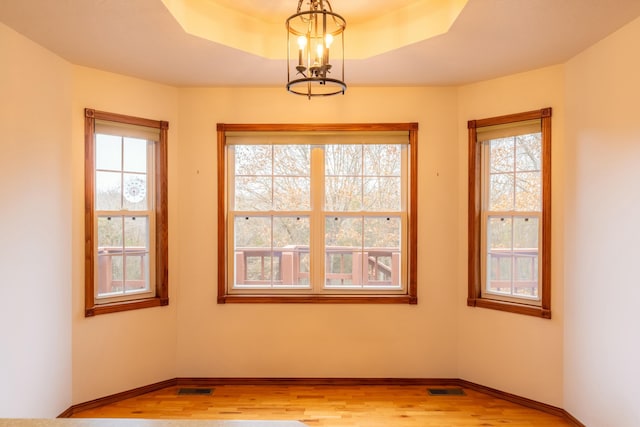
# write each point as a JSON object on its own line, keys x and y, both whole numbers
{"x": 489, "y": 39}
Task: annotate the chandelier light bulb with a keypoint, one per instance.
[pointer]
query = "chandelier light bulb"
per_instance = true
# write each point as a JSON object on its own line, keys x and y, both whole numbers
{"x": 328, "y": 39}
{"x": 302, "y": 42}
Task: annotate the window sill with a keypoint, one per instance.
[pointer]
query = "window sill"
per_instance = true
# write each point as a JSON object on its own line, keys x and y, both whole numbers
{"x": 318, "y": 299}
{"x": 510, "y": 307}
{"x": 125, "y": 306}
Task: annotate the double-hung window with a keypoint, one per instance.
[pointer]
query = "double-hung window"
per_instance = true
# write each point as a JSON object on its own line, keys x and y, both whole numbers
{"x": 510, "y": 213}
{"x": 125, "y": 213}
{"x": 317, "y": 213}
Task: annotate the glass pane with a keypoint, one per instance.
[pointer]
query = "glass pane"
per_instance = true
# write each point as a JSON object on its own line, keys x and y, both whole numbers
{"x": 501, "y": 156}
{"x": 528, "y": 191}
{"x": 135, "y": 192}
{"x": 526, "y": 276}
{"x": 136, "y": 232}
{"x": 382, "y": 194}
{"x": 110, "y": 232}
{"x": 253, "y": 255}
{"x": 108, "y": 191}
{"x": 135, "y": 155}
{"x": 382, "y": 248}
{"x": 500, "y": 255}
{"x": 382, "y": 160}
{"x": 343, "y": 193}
{"x": 108, "y": 152}
{"x": 529, "y": 152}
{"x": 136, "y": 272}
{"x": 117, "y": 273}
{"x": 501, "y": 192}
{"x": 382, "y": 232}
{"x": 293, "y": 160}
{"x": 253, "y": 193}
{"x": 291, "y": 193}
{"x": 136, "y": 240}
{"x": 525, "y": 233}
{"x": 291, "y": 237}
{"x": 341, "y": 160}
{"x": 110, "y": 272}
{"x": 499, "y": 233}
{"x": 253, "y": 160}
{"x": 343, "y": 251}
{"x": 252, "y": 231}
{"x": 291, "y": 232}
{"x": 500, "y": 271}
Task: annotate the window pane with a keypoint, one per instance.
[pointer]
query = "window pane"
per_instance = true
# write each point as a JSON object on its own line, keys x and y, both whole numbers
{"x": 382, "y": 194}
{"x": 343, "y": 251}
{"x": 382, "y": 160}
{"x": 253, "y": 193}
{"x": 136, "y": 241}
{"x": 110, "y": 242}
{"x": 292, "y": 160}
{"x": 529, "y": 152}
{"x": 135, "y": 155}
{"x": 382, "y": 249}
{"x": 526, "y": 231}
{"x": 291, "y": 237}
{"x": 528, "y": 191}
{"x": 343, "y": 194}
{"x": 110, "y": 232}
{"x": 525, "y": 242}
{"x": 253, "y": 231}
{"x": 499, "y": 234}
{"x": 108, "y": 191}
{"x": 341, "y": 160}
{"x": 499, "y": 254}
{"x": 291, "y": 193}
{"x": 499, "y": 274}
{"x": 253, "y": 254}
{"x": 501, "y": 156}
{"x": 135, "y": 192}
{"x": 253, "y": 160}
{"x": 501, "y": 192}
{"x": 526, "y": 275}
{"x": 108, "y": 152}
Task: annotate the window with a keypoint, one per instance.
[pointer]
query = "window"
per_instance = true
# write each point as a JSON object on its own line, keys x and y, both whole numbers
{"x": 510, "y": 213}
{"x": 317, "y": 213}
{"x": 125, "y": 213}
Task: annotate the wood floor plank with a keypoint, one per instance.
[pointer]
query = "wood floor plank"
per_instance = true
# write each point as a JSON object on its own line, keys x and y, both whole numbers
{"x": 330, "y": 406}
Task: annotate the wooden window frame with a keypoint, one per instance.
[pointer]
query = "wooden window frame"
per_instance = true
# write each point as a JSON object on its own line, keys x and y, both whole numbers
{"x": 410, "y": 297}
{"x": 475, "y": 293}
{"x": 161, "y": 285}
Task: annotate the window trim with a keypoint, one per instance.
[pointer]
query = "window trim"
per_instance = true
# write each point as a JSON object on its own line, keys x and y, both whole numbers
{"x": 475, "y": 295}
{"x": 161, "y": 297}
{"x": 410, "y": 297}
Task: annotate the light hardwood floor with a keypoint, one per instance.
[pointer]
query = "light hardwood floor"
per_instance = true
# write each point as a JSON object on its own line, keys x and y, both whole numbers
{"x": 330, "y": 406}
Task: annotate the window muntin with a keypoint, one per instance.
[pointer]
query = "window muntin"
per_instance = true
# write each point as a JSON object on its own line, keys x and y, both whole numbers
{"x": 126, "y": 218}
{"x": 509, "y": 213}
{"x": 316, "y": 214}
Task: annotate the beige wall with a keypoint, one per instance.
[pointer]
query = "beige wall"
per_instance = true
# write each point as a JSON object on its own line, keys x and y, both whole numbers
{"x": 514, "y": 353}
{"x": 602, "y": 348}
{"x": 121, "y": 351}
{"x": 277, "y": 340}
{"x": 35, "y": 229}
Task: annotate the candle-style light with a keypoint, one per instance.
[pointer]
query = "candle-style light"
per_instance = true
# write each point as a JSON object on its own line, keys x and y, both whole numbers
{"x": 312, "y": 32}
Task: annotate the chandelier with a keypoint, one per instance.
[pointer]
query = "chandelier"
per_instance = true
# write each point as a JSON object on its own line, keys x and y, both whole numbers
{"x": 315, "y": 44}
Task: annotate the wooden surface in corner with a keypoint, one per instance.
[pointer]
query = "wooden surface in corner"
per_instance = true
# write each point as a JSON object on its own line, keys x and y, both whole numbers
{"x": 330, "y": 406}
